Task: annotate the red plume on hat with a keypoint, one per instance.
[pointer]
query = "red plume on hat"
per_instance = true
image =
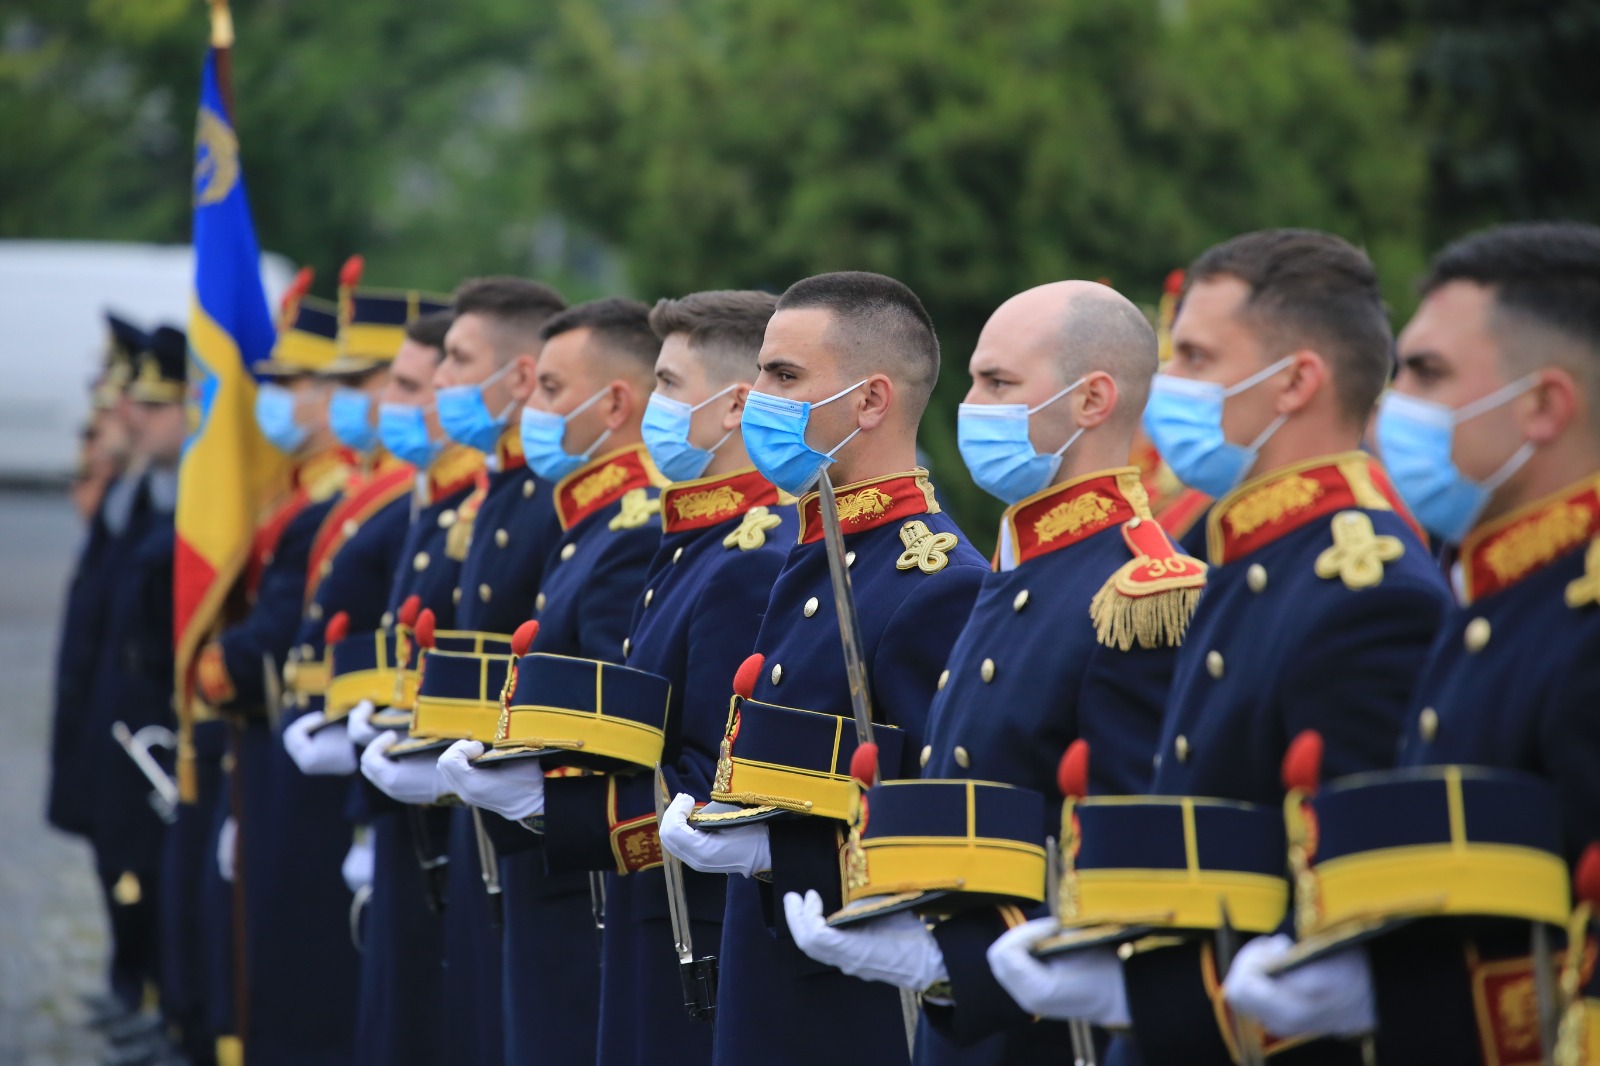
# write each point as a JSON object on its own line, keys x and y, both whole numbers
{"x": 1586, "y": 878}
{"x": 350, "y": 273}
{"x": 523, "y": 638}
{"x": 409, "y": 609}
{"x": 864, "y": 764}
{"x": 1302, "y": 763}
{"x": 744, "y": 679}
{"x": 338, "y": 629}
{"x": 1072, "y": 774}
{"x": 424, "y": 631}
{"x": 1174, "y": 283}
{"x": 297, "y": 290}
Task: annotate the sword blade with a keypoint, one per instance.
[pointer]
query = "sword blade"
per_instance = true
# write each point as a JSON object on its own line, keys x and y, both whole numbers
{"x": 844, "y": 603}
{"x": 1544, "y": 990}
{"x": 1227, "y": 946}
{"x": 166, "y": 788}
{"x": 672, "y": 867}
{"x": 490, "y": 863}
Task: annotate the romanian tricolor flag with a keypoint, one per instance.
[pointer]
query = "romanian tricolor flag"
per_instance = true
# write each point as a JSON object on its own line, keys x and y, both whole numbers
{"x": 227, "y": 467}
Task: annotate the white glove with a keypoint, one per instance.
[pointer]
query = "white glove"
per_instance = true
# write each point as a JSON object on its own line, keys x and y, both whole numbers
{"x": 1084, "y": 985}
{"x": 414, "y": 780}
{"x": 1332, "y": 995}
{"x": 513, "y": 790}
{"x": 227, "y": 848}
{"x": 361, "y": 731}
{"x": 897, "y": 949}
{"x": 742, "y": 850}
{"x": 358, "y": 864}
{"x": 327, "y": 752}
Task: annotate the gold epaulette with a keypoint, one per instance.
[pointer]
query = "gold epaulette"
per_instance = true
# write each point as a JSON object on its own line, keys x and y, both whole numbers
{"x": 1150, "y": 598}
{"x": 1358, "y": 552}
{"x": 638, "y": 507}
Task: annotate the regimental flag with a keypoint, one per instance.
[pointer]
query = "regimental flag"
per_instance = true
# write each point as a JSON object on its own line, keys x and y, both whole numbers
{"x": 228, "y": 467}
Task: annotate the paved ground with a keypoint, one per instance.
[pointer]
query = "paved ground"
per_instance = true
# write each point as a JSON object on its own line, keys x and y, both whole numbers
{"x": 52, "y": 935}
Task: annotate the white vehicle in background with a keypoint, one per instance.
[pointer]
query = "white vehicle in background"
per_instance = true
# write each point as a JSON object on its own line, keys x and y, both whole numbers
{"x": 53, "y": 300}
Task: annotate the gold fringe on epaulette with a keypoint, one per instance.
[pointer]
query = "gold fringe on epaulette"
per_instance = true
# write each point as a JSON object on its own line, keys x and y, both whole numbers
{"x": 1156, "y": 620}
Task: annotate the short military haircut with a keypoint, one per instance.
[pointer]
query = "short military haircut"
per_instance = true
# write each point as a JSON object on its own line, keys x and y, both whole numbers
{"x": 1107, "y": 332}
{"x": 1545, "y": 277}
{"x": 516, "y": 308}
{"x": 724, "y": 328}
{"x": 879, "y": 326}
{"x": 429, "y": 330}
{"x": 1312, "y": 290}
{"x": 618, "y": 328}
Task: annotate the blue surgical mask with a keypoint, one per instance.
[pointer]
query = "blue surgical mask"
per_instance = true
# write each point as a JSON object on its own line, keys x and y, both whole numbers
{"x": 403, "y": 429}
{"x": 1184, "y": 420}
{"x": 666, "y": 434}
{"x": 774, "y": 431}
{"x": 349, "y": 416}
{"x": 466, "y": 419}
{"x": 275, "y": 416}
{"x": 543, "y": 436}
{"x": 1416, "y": 439}
{"x": 994, "y": 443}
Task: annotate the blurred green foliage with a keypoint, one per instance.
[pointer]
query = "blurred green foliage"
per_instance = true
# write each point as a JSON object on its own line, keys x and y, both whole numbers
{"x": 969, "y": 147}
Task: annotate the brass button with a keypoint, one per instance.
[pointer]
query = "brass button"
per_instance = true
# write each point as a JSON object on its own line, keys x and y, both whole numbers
{"x": 501, "y": 538}
{"x": 849, "y": 559}
{"x": 350, "y": 527}
{"x": 1428, "y": 724}
{"x": 1214, "y": 663}
{"x": 316, "y": 611}
{"x": 484, "y": 592}
{"x": 649, "y": 594}
{"x": 627, "y": 646}
{"x": 568, "y": 551}
{"x": 538, "y": 602}
{"x": 927, "y": 753}
{"x": 307, "y": 652}
{"x": 810, "y": 608}
{"x": 455, "y": 595}
{"x": 963, "y": 760}
{"x": 447, "y": 519}
{"x": 986, "y": 671}
{"x": 1021, "y": 601}
{"x": 944, "y": 676}
{"x": 1256, "y": 577}
{"x": 777, "y": 673}
{"x": 419, "y": 561}
{"x": 1476, "y": 635}
{"x": 677, "y": 554}
{"x": 387, "y": 620}
{"x": 527, "y": 488}
{"x": 1180, "y": 748}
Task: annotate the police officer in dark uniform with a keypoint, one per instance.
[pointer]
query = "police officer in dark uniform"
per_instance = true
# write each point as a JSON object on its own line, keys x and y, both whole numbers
{"x": 238, "y": 674}
{"x": 1059, "y": 645}
{"x": 847, "y": 366}
{"x": 1491, "y": 436}
{"x": 488, "y": 373}
{"x": 1319, "y": 606}
{"x": 581, "y": 431}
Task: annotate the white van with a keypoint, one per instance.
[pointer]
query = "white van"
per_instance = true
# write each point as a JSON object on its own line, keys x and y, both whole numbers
{"x": 53, "y": 299}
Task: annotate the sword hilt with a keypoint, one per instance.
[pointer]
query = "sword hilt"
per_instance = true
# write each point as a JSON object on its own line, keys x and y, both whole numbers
{"x": 699, "y": 987}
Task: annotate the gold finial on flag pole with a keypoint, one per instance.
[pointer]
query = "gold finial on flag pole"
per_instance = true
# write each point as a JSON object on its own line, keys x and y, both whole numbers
{"x": 221, "y": 24}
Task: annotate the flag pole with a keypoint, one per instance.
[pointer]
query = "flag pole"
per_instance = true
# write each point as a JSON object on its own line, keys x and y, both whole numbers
{"x": 222, "y": 41}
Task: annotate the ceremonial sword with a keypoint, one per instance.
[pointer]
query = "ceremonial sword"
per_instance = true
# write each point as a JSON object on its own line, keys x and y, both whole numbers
{"x": 1227, "y": 946}
{"x": 165, "y": 797}
{"x": 490, "y": 863}
{"x": 855, "y": 667}
{"x": 1083, "y": 1053}
{"x": 699, "y": 975}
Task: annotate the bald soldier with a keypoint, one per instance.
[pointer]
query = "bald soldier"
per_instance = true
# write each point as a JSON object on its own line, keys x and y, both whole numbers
{"x": 1059, "y": 377}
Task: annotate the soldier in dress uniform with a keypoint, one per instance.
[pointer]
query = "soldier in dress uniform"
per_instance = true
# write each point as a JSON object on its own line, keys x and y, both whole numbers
{"x": 1074, "y": 634}
{"x": 510, "y": 529}
{"x": 303, "y": 987}
{"x": 1491, "y": 435}
{"x": 847, "y": 365}
{"x": 130, "y": 681}
{"x": 1320, "y": 603}
{"x": 237, "y": 675}
{"x": 581, "y": 431}
{"x": 693, "y": 621}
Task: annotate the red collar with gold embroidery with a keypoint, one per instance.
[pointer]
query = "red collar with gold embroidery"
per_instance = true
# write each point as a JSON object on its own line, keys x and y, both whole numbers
{"x": 1073, "y": 511}
{"x": 601, "y": 482}
{"x": 508, "y": 451}
{"x": 1529, "y": 539}
{"x": 869, "y": 504}
{"x": 1276, "y": 504}
{"x": 709, "y": 501}
{"x": 454, "y": 469}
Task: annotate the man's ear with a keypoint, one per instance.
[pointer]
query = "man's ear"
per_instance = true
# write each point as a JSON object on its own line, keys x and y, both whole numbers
{"x": 733, "y": 413}
{"x": 522, "y": 377}
{"x": 877, "y": 401}
{"x": 1557, "y": 400}
{"x": 1308, "y": 376}
{"x": 621, "y": 402}
{"x": 1097, "y": 399}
